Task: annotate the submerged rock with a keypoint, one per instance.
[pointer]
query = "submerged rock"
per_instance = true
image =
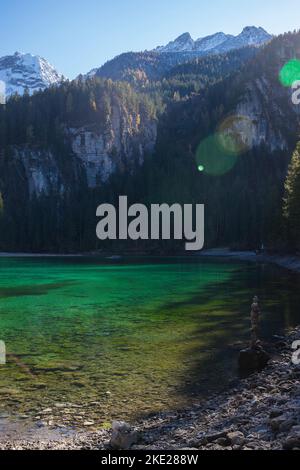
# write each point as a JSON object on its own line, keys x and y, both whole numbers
{"x": 253, "y": 359}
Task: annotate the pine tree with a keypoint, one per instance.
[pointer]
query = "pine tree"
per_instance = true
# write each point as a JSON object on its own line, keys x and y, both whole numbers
{"x": 1, "y": 204}
{"x": 291, "y": 206}
{"x": 70, "y": 104}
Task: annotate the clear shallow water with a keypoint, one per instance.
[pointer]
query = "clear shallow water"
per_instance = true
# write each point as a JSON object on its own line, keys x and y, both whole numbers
{"x": 130, "y": 337}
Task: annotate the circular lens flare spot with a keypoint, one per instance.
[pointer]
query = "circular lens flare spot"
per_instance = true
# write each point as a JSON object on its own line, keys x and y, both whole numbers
{"x": 290, "y": 73}
{"x": 201, "y": 168}
{"x": 213, "y": 158}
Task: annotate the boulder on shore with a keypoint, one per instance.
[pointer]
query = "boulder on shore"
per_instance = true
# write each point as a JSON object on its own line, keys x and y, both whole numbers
{"x": 123, "y": 436}
{"x": 253, "y": 359}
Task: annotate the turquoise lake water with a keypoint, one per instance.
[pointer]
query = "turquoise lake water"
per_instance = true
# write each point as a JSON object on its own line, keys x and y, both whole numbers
{"x": 130, "y": 337}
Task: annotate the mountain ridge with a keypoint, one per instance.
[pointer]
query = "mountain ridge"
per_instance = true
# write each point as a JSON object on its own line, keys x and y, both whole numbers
{"x": 251, "y": 35}
{"x": 20, "y": 72}
{"x": 152, "y": 65}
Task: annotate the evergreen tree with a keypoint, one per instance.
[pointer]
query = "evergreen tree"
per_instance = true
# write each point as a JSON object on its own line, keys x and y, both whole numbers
{"x": 291, "y": 207}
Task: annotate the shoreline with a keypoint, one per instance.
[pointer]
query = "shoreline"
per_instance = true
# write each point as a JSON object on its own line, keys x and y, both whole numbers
{"x": 290, "y": 262}
{"x": 39, "y": 255}
{"x": 260, "y": 412}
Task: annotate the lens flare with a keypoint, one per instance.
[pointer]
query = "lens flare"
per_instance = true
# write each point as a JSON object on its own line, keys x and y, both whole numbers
{"x": 290, "y": 73}
{"x": 217, "y": 154}
{"x": 212, "y": 157}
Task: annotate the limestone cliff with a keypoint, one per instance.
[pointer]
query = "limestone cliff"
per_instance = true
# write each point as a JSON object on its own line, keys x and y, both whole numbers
{"x": 94, "y": 155}
{"x": 122, "y": 146}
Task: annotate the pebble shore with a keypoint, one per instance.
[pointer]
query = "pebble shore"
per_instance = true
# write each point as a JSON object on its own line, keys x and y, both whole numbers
{"x": 261, "y": 412}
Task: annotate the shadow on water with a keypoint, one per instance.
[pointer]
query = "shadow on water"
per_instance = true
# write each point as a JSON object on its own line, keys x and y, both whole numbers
{"x": 20, "y": 291}
{"x": 224, "y": 321}
{"x": 279, "y": 292}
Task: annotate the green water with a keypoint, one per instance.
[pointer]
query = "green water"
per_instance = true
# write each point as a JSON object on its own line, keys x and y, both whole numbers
{"x": 127, "y": 338}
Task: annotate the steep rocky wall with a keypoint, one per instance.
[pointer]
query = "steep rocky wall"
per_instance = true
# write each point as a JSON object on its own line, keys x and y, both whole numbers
{"x": 269, "y": 110}
{"x": 122, "y": 146}
{"x": 39, "y": 171}
{"x": 93, "y": 157}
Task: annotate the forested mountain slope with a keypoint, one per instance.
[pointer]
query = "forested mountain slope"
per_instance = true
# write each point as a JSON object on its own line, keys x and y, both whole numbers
{"x": 219, "y": 131}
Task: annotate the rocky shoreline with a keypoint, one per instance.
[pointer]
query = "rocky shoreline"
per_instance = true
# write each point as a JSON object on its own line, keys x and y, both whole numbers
{"x": 261, "y": 412}
{"x": 287, "y": 261}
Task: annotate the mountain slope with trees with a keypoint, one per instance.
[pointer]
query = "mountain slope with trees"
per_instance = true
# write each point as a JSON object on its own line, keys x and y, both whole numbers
{"x": 68, "y": 149}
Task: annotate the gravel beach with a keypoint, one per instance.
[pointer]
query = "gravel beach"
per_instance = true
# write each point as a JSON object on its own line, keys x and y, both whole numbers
{"x": 260, "y": 412}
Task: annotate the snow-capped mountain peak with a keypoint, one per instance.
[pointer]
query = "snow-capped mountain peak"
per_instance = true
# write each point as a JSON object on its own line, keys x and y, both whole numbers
{"x": 210, "y": 42}
{"x": 219, "y": 42}
{"x": 25, "y": 71}
{"x": 253, "y": 35}
{"x": 183, "y": 43}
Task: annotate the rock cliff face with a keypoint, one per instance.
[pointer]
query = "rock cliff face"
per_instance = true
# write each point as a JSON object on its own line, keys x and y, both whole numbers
{"x": 94, "y": 155}
{"x": 28, "y": 172}
{"x": 38, "y": 170}
{"x": 122, "y": 146}
{"x": 269, "y": 110}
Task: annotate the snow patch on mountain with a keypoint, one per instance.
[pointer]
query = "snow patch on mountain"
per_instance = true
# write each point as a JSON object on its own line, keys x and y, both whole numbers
{"x": 250, "y": 36}
{"x": 219, "y": 42}
{"x": 183, "y": 43}
{"x": 25, "y": 71}
{"x": 211, "y": 42}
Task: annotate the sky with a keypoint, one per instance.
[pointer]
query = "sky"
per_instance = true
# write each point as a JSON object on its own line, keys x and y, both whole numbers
{"x": 78, "y": 35}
